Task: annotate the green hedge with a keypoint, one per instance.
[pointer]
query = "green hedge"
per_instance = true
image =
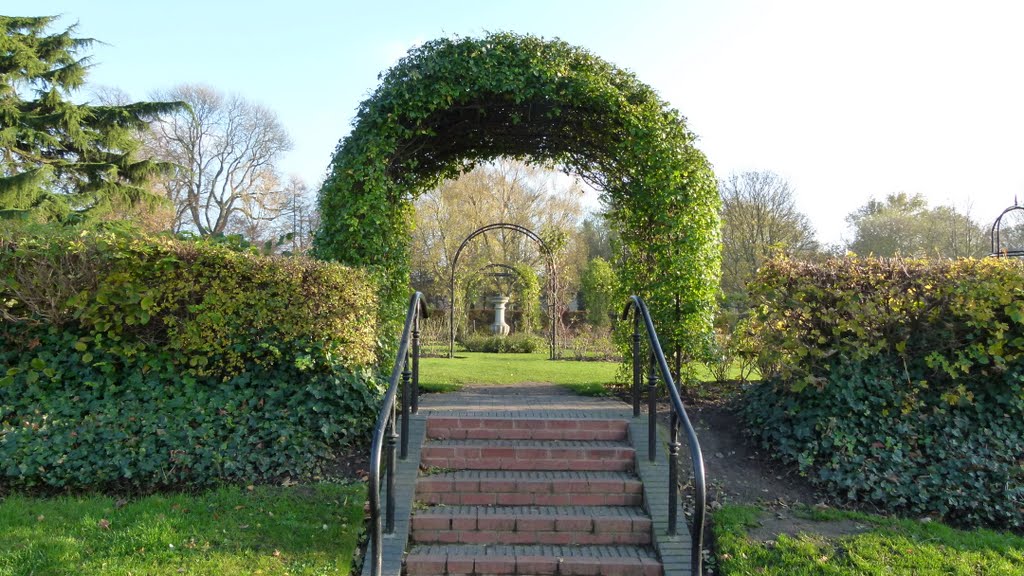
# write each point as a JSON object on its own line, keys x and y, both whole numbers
{"x": 135, "y": 362}
{"x": 898, "y": 383}
{"x": 518, "y": 343}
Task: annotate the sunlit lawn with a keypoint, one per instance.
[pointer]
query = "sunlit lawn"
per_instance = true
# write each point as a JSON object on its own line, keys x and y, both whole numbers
{"x": 298, "y": 530}
{"x": 445, "y": 374}
{"x": 887, "y": 546}
{"x": 589, "y": 377}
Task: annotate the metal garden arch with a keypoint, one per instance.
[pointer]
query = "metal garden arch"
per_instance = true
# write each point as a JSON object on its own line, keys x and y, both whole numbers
{"x": 548, "y": 256}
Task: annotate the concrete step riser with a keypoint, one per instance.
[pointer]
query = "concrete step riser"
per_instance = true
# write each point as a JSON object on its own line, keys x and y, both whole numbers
{"x": 538, "y": 565}
{"x": 508, "y": 529}
{"x": 526, "y": 458}
{"x": 497, "y": 492}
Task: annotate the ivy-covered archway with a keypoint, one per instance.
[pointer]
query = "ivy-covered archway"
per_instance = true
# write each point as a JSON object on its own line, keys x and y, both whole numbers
{"x": 454, "y": 102}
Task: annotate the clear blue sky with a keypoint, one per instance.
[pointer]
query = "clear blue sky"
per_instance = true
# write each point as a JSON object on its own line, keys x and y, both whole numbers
{"x": 848, "y": 100}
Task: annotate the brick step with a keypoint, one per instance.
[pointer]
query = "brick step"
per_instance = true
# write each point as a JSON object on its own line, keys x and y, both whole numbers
{"x": 464, "y": 428}
{"x": 532, "y": 525}
{"x": 480, "y": 560}
{"x": 572, "y": 455}
{"x": 529, "y": 488}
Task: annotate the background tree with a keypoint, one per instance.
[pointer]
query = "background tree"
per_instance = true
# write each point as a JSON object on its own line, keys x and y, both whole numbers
{"x": 507, "y": 191}
{"x": 226, "y": 149}
{"x": 905, "y": 225}
{"x": 600, "y": 290}
{"x": 759, "y": 219}
{"x": 60, "y": 160}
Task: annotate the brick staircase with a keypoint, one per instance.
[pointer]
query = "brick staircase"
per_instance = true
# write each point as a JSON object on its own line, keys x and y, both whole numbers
{"x": 529, "y": 496}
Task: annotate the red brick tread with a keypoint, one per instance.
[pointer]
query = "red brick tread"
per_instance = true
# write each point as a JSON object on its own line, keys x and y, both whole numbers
{"x": 478, "y": 560}
{"x": 525, "y": 488}
{"x": 462, "y": 428}
{"x": 527, "y": 455}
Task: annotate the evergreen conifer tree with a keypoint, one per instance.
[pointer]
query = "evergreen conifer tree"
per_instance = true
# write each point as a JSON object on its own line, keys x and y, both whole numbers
{"x": 61, "y": 160}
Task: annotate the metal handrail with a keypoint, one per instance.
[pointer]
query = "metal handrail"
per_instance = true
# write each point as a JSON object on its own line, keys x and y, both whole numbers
{"x": 407, "y": 369}
{"x": 659, "y": 364}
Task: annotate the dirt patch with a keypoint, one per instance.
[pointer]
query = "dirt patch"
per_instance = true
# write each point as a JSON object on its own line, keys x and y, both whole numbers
{"x": 772, "y": 524}
{"x": 349, "y": 463}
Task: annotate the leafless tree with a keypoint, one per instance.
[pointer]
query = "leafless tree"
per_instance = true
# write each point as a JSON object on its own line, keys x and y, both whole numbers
{"x": 759, "y": 218}
{"x": 226, "y": 148}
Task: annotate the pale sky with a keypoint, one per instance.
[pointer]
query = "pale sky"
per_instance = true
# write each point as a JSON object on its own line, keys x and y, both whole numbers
{"x": 847, "y": 100}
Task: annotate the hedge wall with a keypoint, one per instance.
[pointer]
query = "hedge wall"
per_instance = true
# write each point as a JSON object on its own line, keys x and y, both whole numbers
{"x": 896, "y": 383}
{"x": 136, "y": 362}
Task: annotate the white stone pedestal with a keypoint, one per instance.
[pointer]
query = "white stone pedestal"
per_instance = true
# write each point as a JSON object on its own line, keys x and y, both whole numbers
{"x": 499, "y": 328}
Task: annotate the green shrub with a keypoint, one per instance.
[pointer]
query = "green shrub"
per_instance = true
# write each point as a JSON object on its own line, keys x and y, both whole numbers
{"x": 518, "y": 343}
{"x": 137, "y": 362}
{"x": 896, "y": 383}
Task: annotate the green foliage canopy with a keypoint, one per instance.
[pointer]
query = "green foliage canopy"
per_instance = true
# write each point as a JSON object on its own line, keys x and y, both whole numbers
{"x": 451, "y": 103}
{"x": 59, "y": 159}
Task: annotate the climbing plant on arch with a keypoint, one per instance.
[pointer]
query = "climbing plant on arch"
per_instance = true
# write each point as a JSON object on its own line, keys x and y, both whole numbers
{"x": 455, "y": 102}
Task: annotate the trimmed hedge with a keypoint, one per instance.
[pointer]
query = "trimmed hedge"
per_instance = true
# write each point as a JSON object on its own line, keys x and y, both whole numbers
{"x": 137, "y": 362}
{"x": 897, "y": 383}
{"x": 517, "y": 343}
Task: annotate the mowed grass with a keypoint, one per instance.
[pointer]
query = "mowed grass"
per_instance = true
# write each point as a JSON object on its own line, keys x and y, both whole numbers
{"x": 298, "y": 530}
{"x": 447, "y": 374}
{"x": 590, "y": 378}
{"x": 887, "y": 546}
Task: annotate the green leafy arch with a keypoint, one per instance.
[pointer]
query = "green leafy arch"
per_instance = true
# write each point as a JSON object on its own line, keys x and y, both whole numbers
{"x": 454, "y": 102}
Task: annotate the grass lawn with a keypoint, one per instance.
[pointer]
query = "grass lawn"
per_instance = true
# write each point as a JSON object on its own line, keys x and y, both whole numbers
{"x": 447, "y": 374}
{"x": 306, "y": 529}
{"x": 886, "y": 546}
{"x": 588, "y": 378}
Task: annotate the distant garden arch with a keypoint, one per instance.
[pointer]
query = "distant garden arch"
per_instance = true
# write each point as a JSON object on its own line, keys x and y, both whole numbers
{"x": 455, "y": 102}
{"x": 549, "y": 259}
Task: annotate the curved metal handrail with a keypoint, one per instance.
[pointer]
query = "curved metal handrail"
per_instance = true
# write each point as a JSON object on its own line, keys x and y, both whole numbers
{"x": 407, "y": 369}
{"x": 657, "y": 358}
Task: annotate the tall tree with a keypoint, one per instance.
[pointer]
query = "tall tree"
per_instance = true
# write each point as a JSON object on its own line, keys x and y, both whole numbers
{"x": 226, "y": 149}
{"x": 60, "y": 160}
{"x": 905, "y": 225}
{"x": 759, "y": 219}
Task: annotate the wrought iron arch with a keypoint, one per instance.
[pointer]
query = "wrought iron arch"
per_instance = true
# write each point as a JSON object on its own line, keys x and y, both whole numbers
{"x": 998, "y": 250}
{"x": 549, "y": 258}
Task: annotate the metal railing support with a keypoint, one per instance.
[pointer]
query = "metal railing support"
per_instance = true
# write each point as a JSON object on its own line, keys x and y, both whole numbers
{"x": 673, "y": 473}
{"x": 389, "y": 524}
{"x": 637, "y": 377}
{"x": 652, "y": 409}
{"x": 383, "y": 448}
{"x": 678, "y": 418}
{"x": 406, "y": 402}
{"x": 416, "y": 366}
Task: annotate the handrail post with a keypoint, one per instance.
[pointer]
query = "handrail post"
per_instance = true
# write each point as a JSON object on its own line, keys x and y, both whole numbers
{"x": 389, "y": 517}
{"x": 406, "y": 393}
{"x": 637, "y": 377}
{"x": 415, "y": 366}
{"x": 652, "y": 409}
{"x": 673, "y": 472}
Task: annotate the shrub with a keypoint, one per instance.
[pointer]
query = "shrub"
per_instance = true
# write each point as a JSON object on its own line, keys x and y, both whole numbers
{"x": 138, "y": 362}
{"x": 518, "y": 343}
{"x": 897, "y": 383}
{"x": 587, "y": 342}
